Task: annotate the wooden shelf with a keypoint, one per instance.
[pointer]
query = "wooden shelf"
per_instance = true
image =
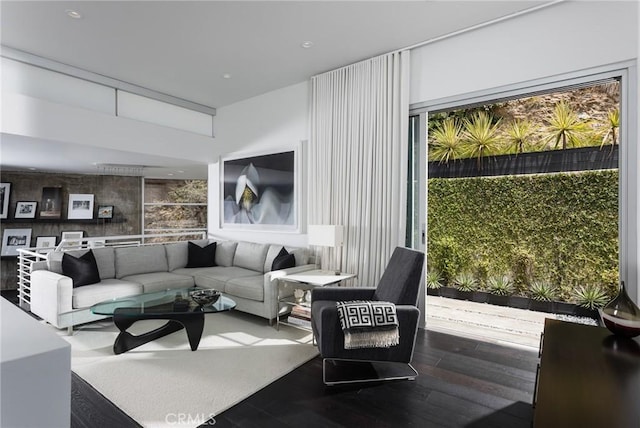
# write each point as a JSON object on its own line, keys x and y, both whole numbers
{"x": 64, "y": 220}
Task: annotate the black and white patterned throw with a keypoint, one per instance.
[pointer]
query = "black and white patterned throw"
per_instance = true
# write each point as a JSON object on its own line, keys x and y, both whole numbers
{"x": 368, "y": 324}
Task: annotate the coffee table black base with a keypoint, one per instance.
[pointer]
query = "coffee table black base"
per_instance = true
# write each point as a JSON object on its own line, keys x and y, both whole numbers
{"x": 192, "y": 322}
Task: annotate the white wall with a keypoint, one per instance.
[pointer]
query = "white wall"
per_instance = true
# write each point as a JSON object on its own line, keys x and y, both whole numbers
{"x": 558, "y": 39}
{"x": 278, "y": 120}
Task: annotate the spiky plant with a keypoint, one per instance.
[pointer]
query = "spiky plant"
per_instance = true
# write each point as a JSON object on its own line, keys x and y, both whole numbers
{"x": 447, "y": 141}
{"x": 565, "y": 126}
{"x": 519, "y": 132}
{"x": 434, "y": 280}
{"x": 481, "y": 135}
{"x": 465, "y": 282}
{"x": 542, "y": 291}
{"x": 613, "y": 123}
{"x": 590, "y": 296}
{"x": 500, "y": 285}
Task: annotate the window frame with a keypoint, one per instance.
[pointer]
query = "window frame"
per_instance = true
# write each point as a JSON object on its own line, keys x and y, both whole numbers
{"x": 629, "y": 183}
{"x": 145, "y": 204}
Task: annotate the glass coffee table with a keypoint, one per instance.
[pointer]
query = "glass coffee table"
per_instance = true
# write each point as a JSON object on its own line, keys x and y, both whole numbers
{"x": 174, "y": 305}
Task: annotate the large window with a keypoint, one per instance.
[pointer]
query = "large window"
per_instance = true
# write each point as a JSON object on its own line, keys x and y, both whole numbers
{"x": 172, "y": 206}
{"x": 526, "y": 185}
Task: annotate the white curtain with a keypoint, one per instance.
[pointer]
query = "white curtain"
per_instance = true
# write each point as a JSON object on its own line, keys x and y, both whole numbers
{"x": 358, "y": 161}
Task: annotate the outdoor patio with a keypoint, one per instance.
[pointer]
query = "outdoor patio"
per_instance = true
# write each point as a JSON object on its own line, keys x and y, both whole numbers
{"x": 490, "y": 323}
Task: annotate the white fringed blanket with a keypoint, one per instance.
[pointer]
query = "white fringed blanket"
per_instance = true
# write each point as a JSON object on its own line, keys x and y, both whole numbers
{"x": 368, "y": 324}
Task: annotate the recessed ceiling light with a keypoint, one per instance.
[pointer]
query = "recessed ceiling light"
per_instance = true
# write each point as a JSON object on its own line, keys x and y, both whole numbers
{"x": 226, "y": 75}
{"x": 180, "y": 171}
{"x": 170, "y": 174}
{"x": 307, "y": 44}
{"x": 32, "y": 168}
{"x": 73, "y": 14}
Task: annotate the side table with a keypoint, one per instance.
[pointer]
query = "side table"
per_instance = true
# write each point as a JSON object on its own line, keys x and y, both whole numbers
{"x": 306, "y": 281}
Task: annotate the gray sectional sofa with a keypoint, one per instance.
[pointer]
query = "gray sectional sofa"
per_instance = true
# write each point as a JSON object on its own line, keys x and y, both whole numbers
{"x": 242, "y": 272}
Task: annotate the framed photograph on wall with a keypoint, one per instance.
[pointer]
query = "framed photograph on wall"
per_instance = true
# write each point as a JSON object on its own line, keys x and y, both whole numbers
{"x": 73, "y": 238}
{"x": 13, "y": 239}
{"x": 26, "y": 209}
{"x": 51, "y": 203}
{"x": 260, "y": 192}
{"x": 80, "y": 206}
{"x": 45, "y": 244}
{"x": 5, "y": 193}
{"x": 105, "y": 211}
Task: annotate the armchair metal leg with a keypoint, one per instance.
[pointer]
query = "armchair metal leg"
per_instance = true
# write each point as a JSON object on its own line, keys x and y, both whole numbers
{"x": 339, "y": 371}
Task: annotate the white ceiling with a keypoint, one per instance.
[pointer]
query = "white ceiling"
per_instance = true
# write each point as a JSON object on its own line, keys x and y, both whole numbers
{"x": 183, "y": 48}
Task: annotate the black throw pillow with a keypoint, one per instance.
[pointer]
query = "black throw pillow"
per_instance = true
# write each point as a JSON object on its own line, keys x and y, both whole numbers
{"x": 201, "y": 256}
{"x": 283, "y": 260}
{"x": 82, "y": 270}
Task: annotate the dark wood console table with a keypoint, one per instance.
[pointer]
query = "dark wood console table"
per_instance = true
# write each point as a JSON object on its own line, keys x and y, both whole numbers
{"x": 587, "y": 378}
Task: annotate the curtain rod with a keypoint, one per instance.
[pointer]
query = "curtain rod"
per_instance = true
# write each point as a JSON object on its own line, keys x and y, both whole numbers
{"x": 458, "y": 32}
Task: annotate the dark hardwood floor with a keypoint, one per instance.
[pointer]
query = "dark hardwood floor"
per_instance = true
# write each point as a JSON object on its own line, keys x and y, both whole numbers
{"x": 462, "y": 383}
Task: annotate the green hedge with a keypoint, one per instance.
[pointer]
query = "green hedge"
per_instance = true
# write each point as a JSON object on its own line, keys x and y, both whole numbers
{"x": 559, "y": 227}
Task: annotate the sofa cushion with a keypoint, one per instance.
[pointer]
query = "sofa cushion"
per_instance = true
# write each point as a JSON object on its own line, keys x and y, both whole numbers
{"x": 158, "y": 281}
{"x": 107, "y": 289}
{"x": 301, "y": 255}
{"x": 82, "y": 270}
{"x": 284, "y": 260}
{"x": 143, "y": 259}
{"x": 105, "y": 260}
{"x": 250, "y": 255}
{"x": 201, "y": 256}
{"x": 177, "y": 253}
{"x": 224, "y": 253}
{"x": 217, "y": 277}
{"x": 251, "y": 287}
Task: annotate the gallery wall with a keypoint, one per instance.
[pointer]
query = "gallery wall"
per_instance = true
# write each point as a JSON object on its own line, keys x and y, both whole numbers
{"x": 124, "y": 193}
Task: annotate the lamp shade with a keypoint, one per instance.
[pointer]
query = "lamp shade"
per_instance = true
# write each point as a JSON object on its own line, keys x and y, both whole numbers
{"x": 326, "y": 235}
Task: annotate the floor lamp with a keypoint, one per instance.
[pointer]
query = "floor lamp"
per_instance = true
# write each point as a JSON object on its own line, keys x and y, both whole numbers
{"x": 327, "y": 236}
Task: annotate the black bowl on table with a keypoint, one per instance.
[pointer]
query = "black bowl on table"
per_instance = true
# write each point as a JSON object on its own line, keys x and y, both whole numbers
{"x": 205, "y": 297}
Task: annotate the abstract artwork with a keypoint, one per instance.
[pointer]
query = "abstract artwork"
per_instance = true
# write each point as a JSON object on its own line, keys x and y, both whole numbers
{"x": 259, "y": 192}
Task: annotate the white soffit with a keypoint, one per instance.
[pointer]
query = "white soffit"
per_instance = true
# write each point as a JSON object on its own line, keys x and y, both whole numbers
{"x": 137, "y": 107}
{"x": 37, "y": 82}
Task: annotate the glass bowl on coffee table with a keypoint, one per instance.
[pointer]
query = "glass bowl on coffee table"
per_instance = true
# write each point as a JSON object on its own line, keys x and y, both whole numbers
{"x": 174, "y": 305}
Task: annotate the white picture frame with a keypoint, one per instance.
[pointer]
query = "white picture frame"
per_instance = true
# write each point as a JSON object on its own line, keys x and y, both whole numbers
{"x": 5, "y": 194}
{"x": 45, "y": 244}
{"x": 80, "y": 206}
{"x": 272, "y": 178}
{"x": 74, "y": 239}
{"x": 25, "y": 209}
{"x": 13, "y": 239}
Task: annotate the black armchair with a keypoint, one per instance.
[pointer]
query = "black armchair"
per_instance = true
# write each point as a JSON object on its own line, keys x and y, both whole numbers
{"x": 400, "y": 284}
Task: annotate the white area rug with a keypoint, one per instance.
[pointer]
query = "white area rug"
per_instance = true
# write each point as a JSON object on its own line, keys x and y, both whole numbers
{"x": 163, "y": 383}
